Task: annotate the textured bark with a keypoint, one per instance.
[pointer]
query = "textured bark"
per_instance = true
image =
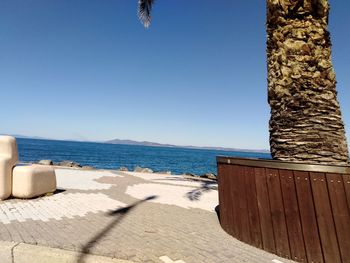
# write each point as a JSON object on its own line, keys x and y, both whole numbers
{"x": 306, "y": 123}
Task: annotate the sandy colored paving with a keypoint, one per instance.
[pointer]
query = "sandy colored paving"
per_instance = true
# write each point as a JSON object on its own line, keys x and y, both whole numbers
{"x": 131, "y": 216}
{"x": 57, "y": 207}
{"x": 166, "y": 179}
{"x": 174, "y": 195}
{"x": 82, "y": 180}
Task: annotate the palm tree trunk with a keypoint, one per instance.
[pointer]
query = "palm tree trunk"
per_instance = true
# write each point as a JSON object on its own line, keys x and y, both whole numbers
{"x": 306, "y": 123}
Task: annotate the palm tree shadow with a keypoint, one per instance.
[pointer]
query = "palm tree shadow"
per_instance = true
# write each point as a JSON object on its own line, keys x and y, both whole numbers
{"x": 120, "y": 214}
{"x": 196, "y": 194}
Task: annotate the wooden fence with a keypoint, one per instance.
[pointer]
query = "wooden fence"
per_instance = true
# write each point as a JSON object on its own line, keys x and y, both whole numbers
{"x": 297, "y": 211}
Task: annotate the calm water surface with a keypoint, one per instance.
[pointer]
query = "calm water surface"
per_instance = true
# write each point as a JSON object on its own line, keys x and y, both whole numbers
{"x": 113, "y": 156}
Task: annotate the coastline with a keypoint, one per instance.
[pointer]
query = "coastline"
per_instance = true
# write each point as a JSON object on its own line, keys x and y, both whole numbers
{"x": 113, "y": 156}
{"x": 76, "y": 166}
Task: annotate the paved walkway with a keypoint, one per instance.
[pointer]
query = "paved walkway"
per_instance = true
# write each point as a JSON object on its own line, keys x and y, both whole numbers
{"x": 131, "y": 216}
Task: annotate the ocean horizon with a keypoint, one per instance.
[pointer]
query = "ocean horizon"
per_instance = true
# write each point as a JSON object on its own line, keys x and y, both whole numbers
{"x": 113, "y": 156}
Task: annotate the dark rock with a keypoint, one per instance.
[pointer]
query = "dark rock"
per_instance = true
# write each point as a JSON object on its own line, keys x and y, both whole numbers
{"x": 209, "y": 176}
{"x": 190, "y": 174}
{"x": 45, "y": 162}
{"x": 164, "y": 172}
{"x": 69, "y": 164}
{"x": 147, "y": 170}
{"x": 139, "y": 169}
{"x": 212, "y": 177}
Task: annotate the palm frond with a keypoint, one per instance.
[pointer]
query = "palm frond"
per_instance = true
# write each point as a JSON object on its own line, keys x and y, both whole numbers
{"x": 144, "y": 12}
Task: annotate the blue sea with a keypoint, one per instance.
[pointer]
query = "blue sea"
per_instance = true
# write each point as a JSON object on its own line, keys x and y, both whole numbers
{"x": 113, "y": 156}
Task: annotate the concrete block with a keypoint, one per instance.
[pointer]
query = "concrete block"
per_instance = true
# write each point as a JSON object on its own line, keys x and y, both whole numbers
{"x": 8, "y": 159}
{"x": 33, "y": 180}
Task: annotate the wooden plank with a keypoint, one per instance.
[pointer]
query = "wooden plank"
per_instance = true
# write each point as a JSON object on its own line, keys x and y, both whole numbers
{"x": 235, "y": 191}
{"x": 242, "y": 204}
{"x": 324, "y": 216}
{"x": 227, "y": 211}
{"x": 231, "y": 201}
{"x": 341, "y": 213}
{"x": 222, "y": 189}
{"x": 264, "y": 210}
{"x": 346, "y": 179}
{"x": 277, "y": 212}
{"x": 225, "y": 202}
{"x": 308, "y": 217}
{"x": 253, "y": 211}
{"x": 291, "y": 208}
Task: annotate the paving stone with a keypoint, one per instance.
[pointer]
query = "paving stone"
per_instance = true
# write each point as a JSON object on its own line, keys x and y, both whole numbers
{"x": 90, "y": 211}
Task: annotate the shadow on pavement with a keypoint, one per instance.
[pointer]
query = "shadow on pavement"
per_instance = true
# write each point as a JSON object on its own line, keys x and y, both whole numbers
{"x": 119, "y": 214}
{"x": 196, "y": 194}
{"x": 59, "y": 190}
{"x": 217, "y": 211}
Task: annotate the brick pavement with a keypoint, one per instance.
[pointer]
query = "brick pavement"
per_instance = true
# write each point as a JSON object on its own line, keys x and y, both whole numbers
{"x": 104, "y": 213}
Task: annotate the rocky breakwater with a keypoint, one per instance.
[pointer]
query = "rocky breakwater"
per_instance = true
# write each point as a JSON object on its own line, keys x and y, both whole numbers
{"x": 138, "y": 169}
{"x": 209, "y": 176}
{"x": 66, "y": 163}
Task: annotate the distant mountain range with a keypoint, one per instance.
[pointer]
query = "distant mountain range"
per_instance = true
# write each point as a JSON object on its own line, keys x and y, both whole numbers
{"x": 146, "y": 143}
{"x": 155, "y": 144}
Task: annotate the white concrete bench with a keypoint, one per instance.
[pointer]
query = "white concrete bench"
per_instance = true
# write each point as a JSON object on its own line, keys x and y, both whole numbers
{"x": 8, "y": 159}
{"x": 22, "y": 181}
{"x": 32, "y": 181}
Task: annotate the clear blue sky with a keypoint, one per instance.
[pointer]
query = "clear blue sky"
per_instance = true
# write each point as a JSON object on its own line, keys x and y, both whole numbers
{"x": 89, "y": 70}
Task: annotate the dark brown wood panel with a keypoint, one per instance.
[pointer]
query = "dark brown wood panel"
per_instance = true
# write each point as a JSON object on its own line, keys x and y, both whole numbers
{"x": 223, "y": 187}
{"x": 226, "y": 209}
{"x": 242, "y": 204}
{"x": 264, "y": 210}
{"x": 303, "y": 215}
{"x": 284, "y": 165}
{"x": 346, "y": 179}
{"x": 277, "y": 213}
{"x": 308, "y": 217}
{"x": 253, "y": 211}
{"x": 325, "y": 218}
{"x": 291, "y": 208}
{"x": 341, "y": 213}
{"x": 234, "y": 202}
